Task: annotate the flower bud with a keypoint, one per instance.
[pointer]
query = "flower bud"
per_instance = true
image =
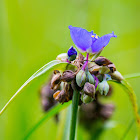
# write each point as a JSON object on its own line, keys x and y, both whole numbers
{"x": 117, "y": 76}
{"x": 56, "y": 79}
{"x": 90, "y": 78}
{"x": 75, "y": 86}
{"x": 86, "y": 99}
{"x": 93, "y": 69}
{"x": 72, "y": 53}
{"x": 89, "y": 89}
{"x": 68, "y": 76}
{"x": 102, "y": 61}
{"x": 103, "y": 87}
{"x": 68, "y": 91}
{"x": 81, "y": 78}
{"x": 80, "y": 58}
{"x": 60, "y": 96}
{"x": 104, "y": 70}
{"x": 62, "y": 56}
{"x": 112, "y": 67}
{"x": 56, "y": 95}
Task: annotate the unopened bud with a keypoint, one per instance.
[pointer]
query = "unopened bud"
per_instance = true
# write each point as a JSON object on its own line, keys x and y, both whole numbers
{"x": 55, "y": 95}
{"x": 55, "y": 82}
{"x": 60, "y": 96}
{"x": 80, "y": 58}
{"x": 117, "y": 76}
{"x": 112, "y": 67}
{"x": 90, "y": 78}
{"x": 72, "y": 53}
{"x": 86, "y": 99}
{"x": 93, "y": 68}
{"x": 62, "y": 56}
{"x": 103, "y": 87}
{"x": 89, "y": 89}
{"x": 104, "y": 70}
{"x": 75, "y": 86}
{"x": 68, "y": 76}
{"x": 102, "y": 61}
{"x": 81, "y": 78}
{"x": 68, "y": 91}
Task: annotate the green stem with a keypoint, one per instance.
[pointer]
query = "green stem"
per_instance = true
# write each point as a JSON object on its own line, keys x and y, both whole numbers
{"x": 132, "y": 96}
{"x": 75, "y": 101}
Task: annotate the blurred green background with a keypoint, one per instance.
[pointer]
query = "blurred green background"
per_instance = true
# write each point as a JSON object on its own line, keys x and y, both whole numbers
{"x": 34, "y": 32}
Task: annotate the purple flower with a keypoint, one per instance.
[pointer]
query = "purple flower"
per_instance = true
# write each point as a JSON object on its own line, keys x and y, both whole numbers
{"x": 72, "y": 53}
{"x": 88, "y": 41}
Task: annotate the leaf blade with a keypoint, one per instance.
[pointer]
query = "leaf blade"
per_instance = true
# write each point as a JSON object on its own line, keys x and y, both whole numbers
{"x": 41, "y": 71}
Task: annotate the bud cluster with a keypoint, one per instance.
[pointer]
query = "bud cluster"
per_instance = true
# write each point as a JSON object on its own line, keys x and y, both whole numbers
{"x": 90, "y": 77}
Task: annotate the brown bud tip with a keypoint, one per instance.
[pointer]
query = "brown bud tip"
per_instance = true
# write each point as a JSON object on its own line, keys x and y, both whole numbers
{"x": 102, "y": 61}
{"x": 61, "y": 96}
{"x": 56, "y": 79}
{"x": 68, "y": 76}
{"x": 117, "y": 76}
{"x": 55, "y": 95}
{"x": 81, "y": 58}
{"x": 93, "y": 68}
{"x": 75, "y": 86}
{"x": 112, "y": 67}
{"x": 89, "y": 89}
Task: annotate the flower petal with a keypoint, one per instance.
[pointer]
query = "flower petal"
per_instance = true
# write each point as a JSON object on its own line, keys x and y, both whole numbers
{"x": 81, "y": 37}
{"x": 101, "y": 42}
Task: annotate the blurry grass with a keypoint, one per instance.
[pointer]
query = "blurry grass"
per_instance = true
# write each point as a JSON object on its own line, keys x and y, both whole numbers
{"x": 56, "y": 109}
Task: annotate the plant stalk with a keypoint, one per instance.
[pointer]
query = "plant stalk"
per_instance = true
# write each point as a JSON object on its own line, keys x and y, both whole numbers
{"x": 75, "y": 101}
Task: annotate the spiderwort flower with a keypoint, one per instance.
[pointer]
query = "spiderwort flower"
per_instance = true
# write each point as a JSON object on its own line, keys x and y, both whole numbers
{"x": 72, "y": 53}
{"x": 88, "y": 41}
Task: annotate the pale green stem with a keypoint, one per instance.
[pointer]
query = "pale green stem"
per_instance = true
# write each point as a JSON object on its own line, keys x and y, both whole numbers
{"x": 132, "y": 96}
{"x": 75, "y": 101}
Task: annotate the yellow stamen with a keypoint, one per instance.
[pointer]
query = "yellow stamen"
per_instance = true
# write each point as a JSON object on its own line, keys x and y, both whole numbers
{"x": 96, "y": 36}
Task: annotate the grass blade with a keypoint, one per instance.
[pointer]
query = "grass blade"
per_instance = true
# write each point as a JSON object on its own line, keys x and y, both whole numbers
{"x": 128, "y": 128}
{"x": 133, "y": 75}
{"x": 53, "y": 64}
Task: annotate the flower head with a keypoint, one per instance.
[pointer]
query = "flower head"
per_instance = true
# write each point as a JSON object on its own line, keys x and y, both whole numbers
{"x": 88, "y": 41}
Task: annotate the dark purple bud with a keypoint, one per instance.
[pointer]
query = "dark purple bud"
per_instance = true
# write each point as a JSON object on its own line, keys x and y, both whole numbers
{"x": 72, "y": 53}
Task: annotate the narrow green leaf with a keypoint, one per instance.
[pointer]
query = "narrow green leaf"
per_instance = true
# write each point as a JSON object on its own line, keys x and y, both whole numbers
{"x": 128, "y": 128}
{"x": 46, "y": 68}
{"x": 133, "y": 101}
{"x": 133, "y": 75}
{"x": 56, "y": 109}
